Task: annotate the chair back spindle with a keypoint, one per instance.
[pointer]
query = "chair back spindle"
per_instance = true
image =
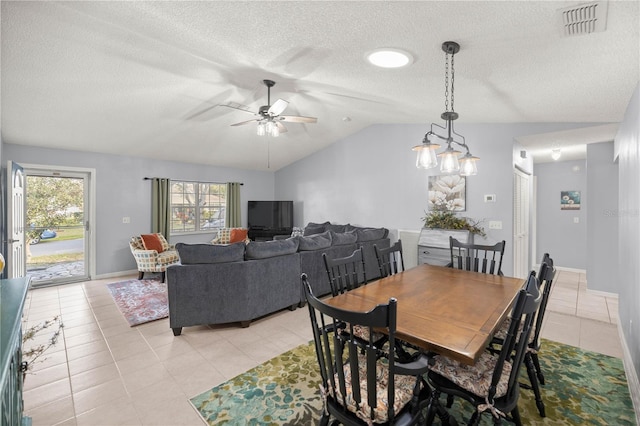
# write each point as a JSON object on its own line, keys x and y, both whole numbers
{"x": 476, "y": 257}
{"x": 390, "y": 260}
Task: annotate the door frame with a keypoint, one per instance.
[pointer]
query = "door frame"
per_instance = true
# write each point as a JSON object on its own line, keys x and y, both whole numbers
{"x": 89, "y": 216}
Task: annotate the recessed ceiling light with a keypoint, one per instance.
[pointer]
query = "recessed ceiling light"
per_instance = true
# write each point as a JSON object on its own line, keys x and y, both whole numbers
{"x": 389, "y": 58}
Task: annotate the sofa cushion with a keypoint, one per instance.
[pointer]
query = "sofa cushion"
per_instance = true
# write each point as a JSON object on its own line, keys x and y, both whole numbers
{"x": 341, "y": 239}
{"x": 152, "y": 242}
{"x": 238, "y": 235}
{"x": 315, "y": 228}
{"x": 266, "y": 249}
{"x": 370, "y": 234}
{"x": 335, "y": 228}
{"x": 191, "y": 254}
{"x": 315, "y": 242}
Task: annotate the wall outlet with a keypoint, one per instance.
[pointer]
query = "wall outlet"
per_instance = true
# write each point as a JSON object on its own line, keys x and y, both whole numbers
{"x": 576, "y": 220}
{"x": 489, "y": 198}
{"x": 126, "y": 219}
{"x": 495, "y": 224}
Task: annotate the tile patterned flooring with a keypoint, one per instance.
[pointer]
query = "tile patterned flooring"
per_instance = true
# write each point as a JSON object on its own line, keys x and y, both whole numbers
{"x": 103, "y": 372}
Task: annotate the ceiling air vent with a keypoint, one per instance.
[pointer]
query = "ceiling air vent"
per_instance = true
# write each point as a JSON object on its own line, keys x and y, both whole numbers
{"x": 584, "y": 19}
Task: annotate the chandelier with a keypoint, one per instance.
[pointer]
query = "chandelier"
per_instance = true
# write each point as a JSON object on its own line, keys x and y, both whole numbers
{"x": 451, "y": 160}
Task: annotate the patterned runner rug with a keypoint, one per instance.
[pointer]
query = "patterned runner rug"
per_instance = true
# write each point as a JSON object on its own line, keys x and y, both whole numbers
{"x": 581, "y": 388}
{"x": 140, "y": 301}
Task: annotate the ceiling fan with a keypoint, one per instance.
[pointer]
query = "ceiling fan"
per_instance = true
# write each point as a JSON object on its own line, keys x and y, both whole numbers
{"x": 269, "y": 119}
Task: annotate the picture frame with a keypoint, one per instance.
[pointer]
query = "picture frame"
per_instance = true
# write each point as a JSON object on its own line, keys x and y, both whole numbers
{"x": 447, "y": 193}
{"x": 569, "y": 200}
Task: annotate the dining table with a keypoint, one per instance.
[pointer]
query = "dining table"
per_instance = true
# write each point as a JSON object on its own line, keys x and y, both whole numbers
{"x": 444, "y": 310}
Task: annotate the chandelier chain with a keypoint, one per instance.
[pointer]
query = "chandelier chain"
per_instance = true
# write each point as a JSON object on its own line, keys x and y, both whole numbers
{"x": 446, "y": 83}
{"x": 453, "y": 76}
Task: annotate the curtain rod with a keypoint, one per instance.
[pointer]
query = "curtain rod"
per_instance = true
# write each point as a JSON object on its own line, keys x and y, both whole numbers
{"x": 184, "y": 180}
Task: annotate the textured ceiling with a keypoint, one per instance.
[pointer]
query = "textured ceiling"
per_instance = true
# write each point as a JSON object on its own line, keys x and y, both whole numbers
{"x": 148, "y": 78}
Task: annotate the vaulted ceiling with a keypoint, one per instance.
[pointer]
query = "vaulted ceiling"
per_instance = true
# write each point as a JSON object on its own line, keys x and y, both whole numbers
{"x": 151, "y": 78}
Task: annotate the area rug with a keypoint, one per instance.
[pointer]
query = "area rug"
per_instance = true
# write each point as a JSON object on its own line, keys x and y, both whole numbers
{"x": 140, "y": 301}
{"x": 581, "y": 388}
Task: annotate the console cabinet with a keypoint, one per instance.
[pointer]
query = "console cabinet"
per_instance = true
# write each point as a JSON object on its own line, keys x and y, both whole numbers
{"x": 433, "y": 245}
{"x": 13, "y": 293}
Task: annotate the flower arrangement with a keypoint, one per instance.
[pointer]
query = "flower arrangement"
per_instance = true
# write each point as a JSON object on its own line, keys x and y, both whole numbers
{"x": 445, "y": 219}
{"x": 33, "y": 353}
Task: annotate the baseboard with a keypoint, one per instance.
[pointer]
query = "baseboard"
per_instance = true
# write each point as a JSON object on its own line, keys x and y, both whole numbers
{"x": 115, "y": 274}
{"x": 632, "y": 375}
{"x": 579, "y": 271}
{"x": 603, "y": 293}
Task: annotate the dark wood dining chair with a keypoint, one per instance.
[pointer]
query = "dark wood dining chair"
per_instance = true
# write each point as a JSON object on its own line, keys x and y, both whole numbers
{"x": 345, "y": 273}
{"x": 491, "y": 384}
{"x": 390, "y": 260}
{"x": 361, "y": 384}
{"x": 476, "y": 257}
{"x": 546, "y": 275}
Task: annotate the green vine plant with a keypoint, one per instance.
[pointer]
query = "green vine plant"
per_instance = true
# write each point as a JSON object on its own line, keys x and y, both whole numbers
{"x": 444, "y": 219}
{"x": 34, "y": 354}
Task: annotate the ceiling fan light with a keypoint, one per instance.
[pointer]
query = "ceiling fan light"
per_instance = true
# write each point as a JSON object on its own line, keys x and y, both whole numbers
{"x": 389, "y": 58}
{"x": 261, "y": 130}
{"x": 275, "y": 132}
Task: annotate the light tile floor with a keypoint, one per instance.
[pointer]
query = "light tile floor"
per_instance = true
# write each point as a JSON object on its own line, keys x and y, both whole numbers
{"x": 103, "y": 372}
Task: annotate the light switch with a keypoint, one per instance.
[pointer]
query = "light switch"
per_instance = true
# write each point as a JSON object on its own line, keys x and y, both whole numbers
{"x": 489, "y": 198}
{"x": 495, "y": 224}
{"x": 126, "y": 219}
{"x": 576, "y": 219}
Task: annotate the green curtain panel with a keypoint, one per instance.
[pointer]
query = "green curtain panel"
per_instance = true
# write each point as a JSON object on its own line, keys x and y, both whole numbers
{"x": 160, "y": 206}
{"x": 234, "y": 218}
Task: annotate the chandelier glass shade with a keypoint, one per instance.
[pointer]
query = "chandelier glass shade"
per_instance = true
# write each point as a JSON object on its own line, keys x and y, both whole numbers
{"x": 451, "y": 160}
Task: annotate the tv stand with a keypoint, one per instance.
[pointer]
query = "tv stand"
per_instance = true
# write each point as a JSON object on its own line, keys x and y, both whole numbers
{"x": 267, "y": 234}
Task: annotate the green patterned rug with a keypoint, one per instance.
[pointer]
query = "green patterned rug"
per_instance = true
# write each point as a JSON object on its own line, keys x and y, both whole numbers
{"x": 581, "y": 388}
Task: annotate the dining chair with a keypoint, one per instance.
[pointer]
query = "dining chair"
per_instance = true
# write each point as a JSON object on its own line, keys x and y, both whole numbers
{"x": 546, "y": 275}
{"x": 390, "y": 260}
{"x": 491, "y": 384}
{"x": 345, "y": 273}
{"x": 360, "y": 383}
{"x": 476, "y": 257}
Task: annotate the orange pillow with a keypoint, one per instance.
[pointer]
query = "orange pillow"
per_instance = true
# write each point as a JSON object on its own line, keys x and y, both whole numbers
{"x": 237, "y": 235}
{"x": 152, "y": 242}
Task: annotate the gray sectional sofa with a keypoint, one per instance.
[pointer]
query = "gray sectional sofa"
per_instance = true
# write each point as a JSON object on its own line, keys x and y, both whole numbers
{"x": 217, "y": 284}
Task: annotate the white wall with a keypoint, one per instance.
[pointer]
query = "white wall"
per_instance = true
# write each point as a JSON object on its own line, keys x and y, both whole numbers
{"x": 627, "y": 149}
{"x": 602, "y": 218}
{"x": 122, "y": 191}
{"x": 557, "y": 234}
{"x": 370, "y": 178}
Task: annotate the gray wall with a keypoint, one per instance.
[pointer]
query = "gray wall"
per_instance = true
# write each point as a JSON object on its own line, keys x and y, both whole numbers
{"x": 370, "y": 178}
{"x": 602, "y": 218}
{"x": 121, "y": 191}
{"x": 557, "y": 234}
{"x": 627, "y": 148}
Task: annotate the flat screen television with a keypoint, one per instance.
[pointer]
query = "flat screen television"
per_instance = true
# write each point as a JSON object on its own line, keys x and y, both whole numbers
{"x": 270, "y": 215}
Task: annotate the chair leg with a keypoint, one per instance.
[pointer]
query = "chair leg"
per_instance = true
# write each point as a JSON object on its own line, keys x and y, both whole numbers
{"x": 324, "y": 420}
{"x": 515, "y": 416}
{"x": 164, "y": 274}
{"x": 536, "y": 363}
{"x": 531, "y": 372}
{"x": 140, "y": 275}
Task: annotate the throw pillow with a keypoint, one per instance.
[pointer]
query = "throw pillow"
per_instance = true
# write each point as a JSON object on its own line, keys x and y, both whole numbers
{"x": 313, "y": 229}
{"x": 335, "y": 228}
{"x": 152, "y": 242}
{"x": 238, "y": 235}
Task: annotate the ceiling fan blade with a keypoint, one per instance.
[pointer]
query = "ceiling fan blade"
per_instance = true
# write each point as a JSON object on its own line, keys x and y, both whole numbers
{"x": 297, "y": 119}
{"x": 247, "y": 122}
{"x": 278, "y": 107}
{"x": 281, "y": 127}
{"x": 239, "y": 107}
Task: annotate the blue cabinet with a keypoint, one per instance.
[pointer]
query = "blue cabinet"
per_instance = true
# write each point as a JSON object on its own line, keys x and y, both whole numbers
{"x": 13, "y": 293}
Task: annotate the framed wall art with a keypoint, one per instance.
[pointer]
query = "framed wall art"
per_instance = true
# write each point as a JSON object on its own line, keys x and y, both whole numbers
{"x": 569, "y": 200}
{"x": 447, "y": 193}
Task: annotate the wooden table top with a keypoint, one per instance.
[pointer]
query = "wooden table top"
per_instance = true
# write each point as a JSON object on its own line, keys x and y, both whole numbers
{"x": 445, "y": 310}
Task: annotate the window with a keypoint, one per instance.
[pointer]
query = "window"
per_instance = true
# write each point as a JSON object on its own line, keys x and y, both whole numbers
{"x": 197, "y": 206}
